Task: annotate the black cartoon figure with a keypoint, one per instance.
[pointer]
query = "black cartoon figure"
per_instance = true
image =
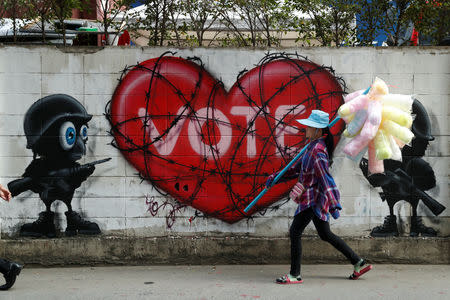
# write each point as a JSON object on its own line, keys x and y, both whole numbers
{"x": 56, "y": 131}
{"x": 407, "y": 180}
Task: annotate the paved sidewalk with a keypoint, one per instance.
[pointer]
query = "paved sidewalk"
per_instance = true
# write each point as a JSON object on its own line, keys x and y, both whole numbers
{"x": 231, "y": 282}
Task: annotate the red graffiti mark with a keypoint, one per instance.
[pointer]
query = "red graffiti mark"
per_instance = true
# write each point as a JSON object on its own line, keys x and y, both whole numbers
{"x": 213, "y": 149}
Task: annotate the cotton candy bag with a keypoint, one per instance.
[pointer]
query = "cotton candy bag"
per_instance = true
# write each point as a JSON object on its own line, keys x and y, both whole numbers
{"x": 377, "y": 121}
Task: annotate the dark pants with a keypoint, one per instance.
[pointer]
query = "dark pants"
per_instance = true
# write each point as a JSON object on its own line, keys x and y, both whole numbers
{"x": 301, "y": 220}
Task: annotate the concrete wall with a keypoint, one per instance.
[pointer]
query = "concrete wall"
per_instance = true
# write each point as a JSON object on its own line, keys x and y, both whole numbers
{"x": 114, "y": 196}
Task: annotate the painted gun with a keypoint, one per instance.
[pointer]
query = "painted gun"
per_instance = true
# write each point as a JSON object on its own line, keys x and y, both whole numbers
{"x": 78, "y": 170}
{"x": 405, "y": 183}
{"x": 21, "y": 185}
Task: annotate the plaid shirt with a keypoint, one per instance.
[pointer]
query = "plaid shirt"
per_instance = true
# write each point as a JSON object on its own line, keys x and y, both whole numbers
{"x": 312, "y": 171}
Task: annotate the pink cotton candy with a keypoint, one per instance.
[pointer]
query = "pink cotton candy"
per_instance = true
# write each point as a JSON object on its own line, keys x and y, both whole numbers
{"x": 358, "y": 157}
{"x": 353, "y": 105}
{"x": 353, "y": 95}
{"x": 375, "y": 165}
{"x": 356, "y": 145}
{"x": 368, "y": 132}
{"x": 374, "y": 113}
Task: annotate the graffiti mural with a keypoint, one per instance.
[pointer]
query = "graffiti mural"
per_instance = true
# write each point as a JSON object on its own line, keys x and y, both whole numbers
{"x": 408, "y": 179}
{"x": 212, "y": 149}
{"x": 56, "y": 131}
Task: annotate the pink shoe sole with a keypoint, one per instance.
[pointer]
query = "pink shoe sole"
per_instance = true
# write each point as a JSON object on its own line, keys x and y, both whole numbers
{"x": 288, "y": 281}
{"x": 356, "y": 275}
{"x": 291, "y": 282}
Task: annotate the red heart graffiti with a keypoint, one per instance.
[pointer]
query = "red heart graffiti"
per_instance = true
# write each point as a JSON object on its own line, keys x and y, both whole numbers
{"x": 211, "y": 149}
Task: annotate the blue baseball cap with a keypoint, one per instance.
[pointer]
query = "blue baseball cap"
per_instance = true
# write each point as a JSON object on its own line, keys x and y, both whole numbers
{"x": 317, "y": 119}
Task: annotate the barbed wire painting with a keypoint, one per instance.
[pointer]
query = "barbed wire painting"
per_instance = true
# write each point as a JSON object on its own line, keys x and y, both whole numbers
{"x": 212, "y": 149}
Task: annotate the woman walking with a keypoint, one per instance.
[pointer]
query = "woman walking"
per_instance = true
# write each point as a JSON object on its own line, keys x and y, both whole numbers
{"x": 317, "y": 196}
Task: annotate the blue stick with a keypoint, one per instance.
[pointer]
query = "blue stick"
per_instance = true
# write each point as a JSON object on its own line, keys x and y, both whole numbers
{"x": 275, "y": 180}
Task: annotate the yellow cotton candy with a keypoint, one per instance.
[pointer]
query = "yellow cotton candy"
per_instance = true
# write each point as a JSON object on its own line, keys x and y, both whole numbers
{"x": 403, "y": 102}
{"x": 376, "y": 97}
{"x": 397, "y": 115}
{"x": 344, "y": 110}
{"x": 402, "y": 133}
{"x": 347, "y": 134}
{"x": 396, "y": 152}
{"x": 347, "y": 119}
{"x": 382, "y": 146}
{"x": 378, "y": 87}
{"x": 398, "y": 142}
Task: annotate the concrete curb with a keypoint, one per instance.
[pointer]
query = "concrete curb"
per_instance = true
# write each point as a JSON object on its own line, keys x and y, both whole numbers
{"x": 113, "y": 250}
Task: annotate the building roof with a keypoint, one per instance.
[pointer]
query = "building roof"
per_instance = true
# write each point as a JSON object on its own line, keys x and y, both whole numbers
{"x": 30, "y": 31}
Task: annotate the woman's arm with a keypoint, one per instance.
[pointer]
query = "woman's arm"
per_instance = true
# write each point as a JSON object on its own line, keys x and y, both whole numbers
{"x": 290, "y": 174}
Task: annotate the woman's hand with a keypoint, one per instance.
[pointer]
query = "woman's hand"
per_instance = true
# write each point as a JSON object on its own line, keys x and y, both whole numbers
{"x": 5, "y": 193}
{"x": 296, "y": 192}
{"x": 269, "y": 180}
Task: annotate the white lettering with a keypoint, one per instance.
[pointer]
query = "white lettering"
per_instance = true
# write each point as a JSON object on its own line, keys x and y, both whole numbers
{"x": 164, "y": 146}
{"x": 250, "y": 114}
{"x": 195, "y": 132}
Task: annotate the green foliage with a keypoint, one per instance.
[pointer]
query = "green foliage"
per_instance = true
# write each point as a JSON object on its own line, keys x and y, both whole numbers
{"x": 371, "y": 20}
{"x": 253, "y": 22}
{"x": 155, "y": 20}
{"x": 14, "y": 8}
{"x": 108, "y": 11}
{"x": 397, "y": 18}
{"x": 242, "y": 23}
{"x": 62, "y": 10}
{"x": 41, "y": 11}
{"x": 329, "y": 22}
{"x": 177, "y": 26}
{"x": 202, "y": 15}
{"x": 397, "y": 21}
{"x": 432, "y": 19}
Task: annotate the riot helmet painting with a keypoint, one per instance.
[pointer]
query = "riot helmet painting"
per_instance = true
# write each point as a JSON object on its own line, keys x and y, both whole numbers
{"x": 56, "y": 129}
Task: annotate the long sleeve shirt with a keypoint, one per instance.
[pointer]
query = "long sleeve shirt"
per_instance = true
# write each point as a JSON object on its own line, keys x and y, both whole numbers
{"x": 312, "y": 170}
